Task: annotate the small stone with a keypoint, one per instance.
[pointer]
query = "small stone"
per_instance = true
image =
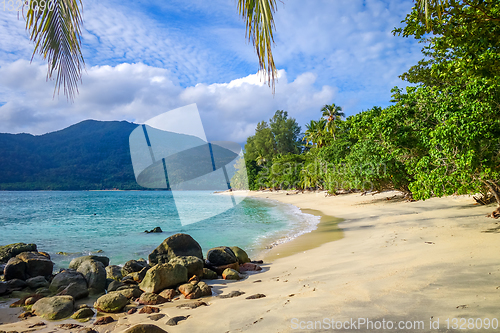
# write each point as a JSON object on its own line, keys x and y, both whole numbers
{"x": 209, "y": 274}
{"x": 40, "y": 323}
{"x": 144, "y": 328}
{"x": 87, "y": 330}
{"x": 83, "y": 313}
{"x": 256, "y": 296}
{"x": 231, "y": 274}
{"x": 26, "y": 315}
{"x": 30, "y": 300}
{"x": 168, "y": 294}
{"x": 156, "y": 317}
{"x": 232, "y": 294}
{"x": 132, "y": 311}
{"x": 104, "y": 320}
{"x": 149, "y": 310}
{"x": 248, "y": 267}
{"x": 69, "y": 326}
{"x": 192, "y": 305}
{"x": 151, "y": 299}
{"x": 175, "y": 320}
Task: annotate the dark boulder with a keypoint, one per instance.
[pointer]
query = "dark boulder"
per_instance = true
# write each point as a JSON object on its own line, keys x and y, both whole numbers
{"x": 67, "y": 277}
{"x": 221, "y": 256}
{"x": 15, "y": 269}
{"x": 133, "y": 266}
{"x": 95, "y": 274}
{"x": 76, "y": 290}
{"x": 37, "y": 264}
{"x": 154, "y": 230}
{"x": 16, "y": 284}
{"x": 12, "y": 250}
{"x": 144, "y": 328}
{"x": 37, "y": 282}
{"x": 178, "y": 245}
{"x": 77, "y": 261}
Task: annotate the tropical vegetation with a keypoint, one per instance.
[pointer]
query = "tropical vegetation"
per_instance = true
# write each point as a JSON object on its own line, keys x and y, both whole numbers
{"x": 440, "y": 136}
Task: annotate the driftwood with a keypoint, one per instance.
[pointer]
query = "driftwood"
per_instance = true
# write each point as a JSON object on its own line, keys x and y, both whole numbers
{"x": 494, "y": 214}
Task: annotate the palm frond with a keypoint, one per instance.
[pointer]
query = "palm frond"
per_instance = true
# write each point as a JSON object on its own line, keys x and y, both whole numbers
{"x": 259, "y": 21}
{"x": 424, "y": 6}
{"x": 55, "y": 30}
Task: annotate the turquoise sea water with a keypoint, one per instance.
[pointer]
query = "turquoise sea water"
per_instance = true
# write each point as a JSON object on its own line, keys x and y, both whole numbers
{"x": 84, "y": 222}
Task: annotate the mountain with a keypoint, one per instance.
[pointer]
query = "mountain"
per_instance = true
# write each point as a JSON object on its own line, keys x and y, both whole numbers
{"x": 90, "y": 155}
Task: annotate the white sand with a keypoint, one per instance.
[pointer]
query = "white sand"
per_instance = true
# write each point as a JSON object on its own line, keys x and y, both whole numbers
{"x": 397, "y": 261}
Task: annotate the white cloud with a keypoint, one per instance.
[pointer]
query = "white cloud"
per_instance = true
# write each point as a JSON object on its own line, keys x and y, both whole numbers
{"x": 137, "y": 92}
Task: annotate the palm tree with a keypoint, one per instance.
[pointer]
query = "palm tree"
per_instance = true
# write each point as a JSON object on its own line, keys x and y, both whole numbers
{"x": 315, "y": 133}
{"x": 332, "y": 113}
{"x": 55, "y": 31}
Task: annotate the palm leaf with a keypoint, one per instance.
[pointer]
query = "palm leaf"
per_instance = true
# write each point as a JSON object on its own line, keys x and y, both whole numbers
{"x": 259, "y": 21}
{"x": 55, "y": 30}
{"x": 423, "y": 7}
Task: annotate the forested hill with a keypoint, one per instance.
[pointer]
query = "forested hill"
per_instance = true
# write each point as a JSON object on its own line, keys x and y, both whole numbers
{"x": 90, "y": 155}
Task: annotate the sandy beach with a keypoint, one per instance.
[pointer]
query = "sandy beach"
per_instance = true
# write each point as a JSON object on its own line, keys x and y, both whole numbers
{"x": 386, "y": 261}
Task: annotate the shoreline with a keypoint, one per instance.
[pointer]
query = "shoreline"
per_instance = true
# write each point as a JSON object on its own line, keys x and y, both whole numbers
{"x": 398, "y": 261}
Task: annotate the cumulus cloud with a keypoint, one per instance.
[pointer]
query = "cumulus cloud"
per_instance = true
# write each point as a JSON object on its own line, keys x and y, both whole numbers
{"x": 137, "y": 92}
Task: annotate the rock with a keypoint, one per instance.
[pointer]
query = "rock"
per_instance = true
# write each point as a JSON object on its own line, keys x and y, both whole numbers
{"x": 65, "y": 278}
{"x": 75, "y": 263}
{"x": 192, "y": 305}
{"x": 16, "y": 284}
{"x": 151, "y": 299}
{"x": 95, "y": 274}
{"x": 209, "y": 274}
{"x": 149, "y": 309}
{"x": 43, "y": 292}
{"x": 240, "y": 254}
{"x": 260, "y": 262}
{"x": 12, "y": 250}
{"x": 232, "y": 294}
{"x": 15, "y": 269}
{"x": 154, "y": 230}
{"x": 206, "y": 290}
{"x": 193, "y": 264}
{"x": 83, "y": 313}
{"x": 248, "y": 267}
{"x": 104, "y": 320}
{"x": 230, "y": 274}
{"x": 256, "y": 296}
{"x": 37, "y": 264}
{"x": 87, "y": 330}
{"x": 54, "y": 308}
{"x": 40, "y": 323}
{"x": 3, "y": 288}
{"x": 175, "y": 320}
{"x": 130, "y": 292}
{"x": 76, "y": 290}
{"x": 115, "y": 285}
{"x": 168, "y": 294}
{"x": 69, "y": 326}
{"x": 178, "y": 245}
{"x": 132, "y": 310}
{"x": 156, "y": 317}
{"x": 111, "y": 302}
{"x": 220, "y": 256}
{"x": 25, "y": 315}
{"x": 162, "y": 277}
{"x": 139, "y": 276}
{"x": 144, "y": 328}
{"x": 195, "y": 290}
{"x": 132, "y": 266}
{"x": 30, "y": 300}
{"x": 220, "y": 269}
{"x": 128, "y": 280}
{"x": 114, "y": 272}
{"x": 37, "y": 282}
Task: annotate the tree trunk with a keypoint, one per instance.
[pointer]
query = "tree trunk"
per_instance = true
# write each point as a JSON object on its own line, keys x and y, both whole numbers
{"x": 491, "y": 185}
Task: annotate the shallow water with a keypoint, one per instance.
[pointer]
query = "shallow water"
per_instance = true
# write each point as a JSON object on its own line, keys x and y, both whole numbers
{"x": 114, "y": 222}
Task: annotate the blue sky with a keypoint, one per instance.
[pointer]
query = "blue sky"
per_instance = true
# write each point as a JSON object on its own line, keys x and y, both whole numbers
{"x": 144, "y": 58}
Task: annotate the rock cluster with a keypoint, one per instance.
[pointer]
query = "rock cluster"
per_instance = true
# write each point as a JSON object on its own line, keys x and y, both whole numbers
{"x": 175, "y": 267}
